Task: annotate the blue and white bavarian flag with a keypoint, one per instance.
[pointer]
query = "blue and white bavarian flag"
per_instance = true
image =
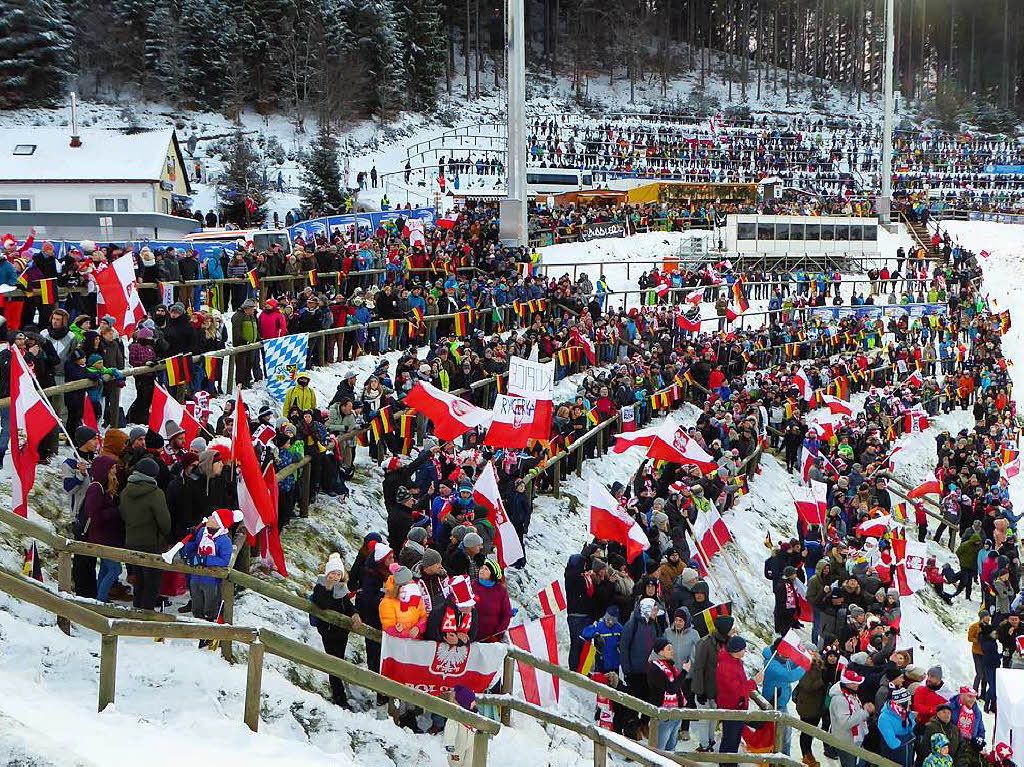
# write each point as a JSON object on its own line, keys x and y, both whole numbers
{"x": 285, "y": 358}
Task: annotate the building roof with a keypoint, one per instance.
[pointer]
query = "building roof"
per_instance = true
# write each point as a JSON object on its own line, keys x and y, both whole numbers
{"x": 30, "y": 154}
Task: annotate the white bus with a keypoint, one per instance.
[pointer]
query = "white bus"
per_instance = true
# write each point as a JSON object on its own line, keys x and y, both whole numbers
{"x": 263, "y": 239}
{"x": 557, "y": 180}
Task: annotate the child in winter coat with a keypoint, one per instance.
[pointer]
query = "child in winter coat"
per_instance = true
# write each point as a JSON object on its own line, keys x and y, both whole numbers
{"x": 939, "y": 756}
{"x": 402, "y": 613}
{"x": 605, "y": 635}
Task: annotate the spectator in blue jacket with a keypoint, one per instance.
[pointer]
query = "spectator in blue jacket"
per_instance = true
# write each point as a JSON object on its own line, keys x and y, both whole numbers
{"x": 209, "y": 546}
{"x": 896, "y": 728}
{"x": 967, "y": 714}
{"x": 780, "y": 674}
{"x": 605, "y": 635}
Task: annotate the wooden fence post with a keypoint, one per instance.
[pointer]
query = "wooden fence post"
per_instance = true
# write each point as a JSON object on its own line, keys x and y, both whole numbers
{"x": 231, "y": 375}
{"x": 253, "y": 686}
{"x": 65, "y": 584}
{"x": 652, "y": 732}
{"x": 600, "y": 442}
{"x": 108, "y": 670}
{"x": 579, "y": 461}
{"x": 556, "y": 477}
{"x": 304, "y": 492}
{"x": 508, "y": 677}
{"x": 480, "y": 749}
{"x": 227, "y": 595}
{"x": 600, "y": 749}
{"x": 780, "y": 733}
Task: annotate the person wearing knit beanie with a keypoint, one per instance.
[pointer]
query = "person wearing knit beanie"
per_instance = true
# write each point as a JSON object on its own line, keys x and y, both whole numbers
{"x": 331, "y": 593}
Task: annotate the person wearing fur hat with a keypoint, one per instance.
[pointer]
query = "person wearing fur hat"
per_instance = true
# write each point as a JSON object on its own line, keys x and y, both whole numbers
{"x": 210, "y": 548}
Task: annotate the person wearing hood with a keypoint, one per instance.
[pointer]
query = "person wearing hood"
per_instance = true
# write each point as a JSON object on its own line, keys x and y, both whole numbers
{"x": 102, "y": 521}
{"x": 780, "y": 674}
{"x": 210, "y": 547}
{"x": 637, "y": 644}
{"x": 147, "y": 523}
{"x": 810, "y": 696}
{"x": 940, "y": 751}
{"x": 896, "y": 729}
{"x": 704, "y": 678}
{"x": 605, "y": 634}
{"x": 75, "y": 481}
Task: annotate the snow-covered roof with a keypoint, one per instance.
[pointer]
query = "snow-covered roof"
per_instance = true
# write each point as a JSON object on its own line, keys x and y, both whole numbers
{"x": 46, "y": 154}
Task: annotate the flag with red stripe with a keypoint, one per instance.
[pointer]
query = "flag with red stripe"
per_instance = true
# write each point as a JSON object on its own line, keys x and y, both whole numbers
{"x": 552, "y": 599}
{"x": 32, "y": 419}
{"x": 537, "y": 638}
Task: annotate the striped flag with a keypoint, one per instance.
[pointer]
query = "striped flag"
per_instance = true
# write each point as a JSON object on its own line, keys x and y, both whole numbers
{"x": 462, "y": 322}
{"x": 32, "y": 568}
{"x": 311, "y": 276}
{"x": 381, "y": 424}
{"x": 704, "y": 622}
{"x": 177, "y": 369}
{"x": 552, "y": 599}
{"x": 48, "y": 291}
{"x": 588, "y": 654}
{"x": 251, "y": 276}
{"x": 212, "y": 367}
{"x": 537, "y": 638}
{"x": 23, "y": 280}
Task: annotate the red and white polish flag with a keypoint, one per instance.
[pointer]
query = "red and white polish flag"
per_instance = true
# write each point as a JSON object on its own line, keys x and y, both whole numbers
{"x": 711, "y": 533}
{"x": 928, "y": 487}
{"x": 436, "y": 667}
{"x": 32, "y": 419}
{"x": 452, "y": 416}
{"x": 915, "y": 421}
{"x": 695, "y": 297}
{"x": 803, "y": 383}
{"x": 165, "y": 408}
{"x": 807, "y": 506}
{"x": 537, "y": 638}
{"x": 552, "y": 599}
{"x": 836, "y": 405}
{"x": 611, "y": 523}
{"x": 876, "y": 527}
{"x": 506, "y": 540}
{"x": 119, "y": 295}
{"x": 793, "y": 648}
{"x": 514, "y": 422}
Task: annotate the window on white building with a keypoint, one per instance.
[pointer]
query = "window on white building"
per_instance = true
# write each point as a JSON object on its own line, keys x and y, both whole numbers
{"x": 111, "y": 204}
{"x": 24, "y": 149}
{"x": 15, "y": 204}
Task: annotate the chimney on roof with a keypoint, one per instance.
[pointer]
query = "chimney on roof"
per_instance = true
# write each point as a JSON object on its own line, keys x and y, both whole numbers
{"x": 76, "y": 141}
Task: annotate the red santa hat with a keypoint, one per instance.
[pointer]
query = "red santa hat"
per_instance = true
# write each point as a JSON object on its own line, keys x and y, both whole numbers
{"x": 7, "y": 242}
{"x": 226, "y": 517}
{"x": 851, "y": 678}
{"x": 379, "y": 550}
{"x": 460, "y": 589}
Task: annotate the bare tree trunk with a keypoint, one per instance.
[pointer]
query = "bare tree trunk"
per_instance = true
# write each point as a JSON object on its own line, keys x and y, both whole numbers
{"x": 1004, "y": 88}
{"x": 789, "y": 51}
{"x": 924, "y": 37}
{"x": 476, "y": 53}
{"x": 465, "y": 50}
{"x": 974, "y": 28}
{"x": 760, "y": 46}
{"x": 554, "y": 37}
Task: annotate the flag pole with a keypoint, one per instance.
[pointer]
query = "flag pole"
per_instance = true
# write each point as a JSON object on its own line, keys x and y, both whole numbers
{"x": 728, "y": 558}
{"x": 707, "y": 559}
{"x": 49, "y": 405}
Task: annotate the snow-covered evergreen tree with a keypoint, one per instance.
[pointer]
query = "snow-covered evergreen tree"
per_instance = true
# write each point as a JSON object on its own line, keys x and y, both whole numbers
{"x": 242, "y": 182}
{"x": 380, "y": 39}
{"x": 425, "y": 49}
{"x": 35, "y": 51}
{"x": 321, "y": 175}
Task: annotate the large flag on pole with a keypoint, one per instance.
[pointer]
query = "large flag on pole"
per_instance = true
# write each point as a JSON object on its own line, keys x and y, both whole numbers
{"x": 118, "y": 294}
{"x": 31, "y": 420}
{"x": 514, "y": 421}
{"x": 165, "y": 408}
{"x": 535, "y": 381}
{"x": 452, "y": 416}
{"x": 506, "y": 540}
{"x": 610, "y": 523}
{"x": 258, "y": 510}
{"x": 285, "y": 358}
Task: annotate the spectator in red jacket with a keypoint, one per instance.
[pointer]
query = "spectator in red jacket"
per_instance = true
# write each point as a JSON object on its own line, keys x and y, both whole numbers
{"x": 272, "y": 323}
{"x": 734, "y": 688}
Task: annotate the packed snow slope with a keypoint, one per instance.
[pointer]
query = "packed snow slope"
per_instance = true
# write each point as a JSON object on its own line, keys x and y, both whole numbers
{"x": 173, "y": 698}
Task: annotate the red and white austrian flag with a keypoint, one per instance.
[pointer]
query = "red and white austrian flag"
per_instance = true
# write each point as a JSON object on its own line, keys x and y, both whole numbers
{"x": 119, "y": 295}
{"x": 436, "y": 667}
{"x": 552, "y": 599}
{"x": 537, "y": 638}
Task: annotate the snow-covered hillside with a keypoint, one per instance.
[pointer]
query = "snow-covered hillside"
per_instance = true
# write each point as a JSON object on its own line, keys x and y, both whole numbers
{"x": 173, "y": 699}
